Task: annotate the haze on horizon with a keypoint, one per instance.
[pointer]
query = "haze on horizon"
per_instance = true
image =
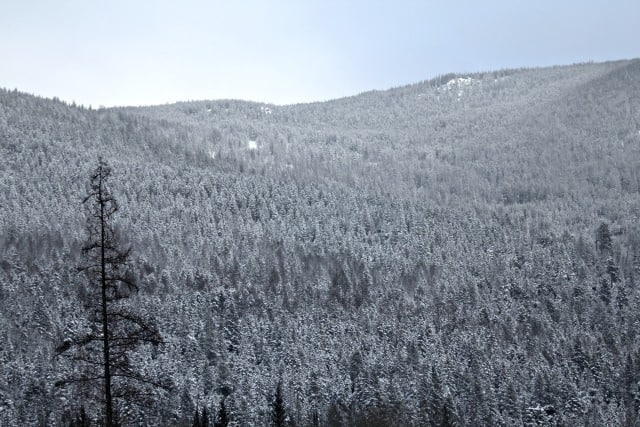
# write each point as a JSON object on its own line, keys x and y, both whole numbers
{"x": 282, "y": 52}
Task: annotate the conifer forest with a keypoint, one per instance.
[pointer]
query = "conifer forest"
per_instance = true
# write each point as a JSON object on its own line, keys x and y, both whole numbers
{"x": 463, "y": 251}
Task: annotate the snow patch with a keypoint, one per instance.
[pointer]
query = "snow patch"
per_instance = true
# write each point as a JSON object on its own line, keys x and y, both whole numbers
{"x": 266, "y": 110}
{"x": 252, "y": 145}
{"x": 459, "y": 82}
{"x": 457, "y": 85}
{"x": 212, "y": 154}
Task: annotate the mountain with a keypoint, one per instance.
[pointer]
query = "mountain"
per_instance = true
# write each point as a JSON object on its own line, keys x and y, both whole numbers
{"x": 395, "y": 257}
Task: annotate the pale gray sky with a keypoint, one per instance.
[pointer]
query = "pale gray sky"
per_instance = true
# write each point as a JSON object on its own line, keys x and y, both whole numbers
{"x": 142, "y": 52}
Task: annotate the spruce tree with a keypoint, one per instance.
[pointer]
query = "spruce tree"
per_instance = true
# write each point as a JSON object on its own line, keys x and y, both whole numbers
{"x": 278, "y": 410}
{"x": 435, "y": 402}
{"x": 204, "y": 418}
{"x": 448, "y": 413}
{"x": 222, "y": 419}
{"x": 196, "y": 419}
{"x": 603, "y": 239}
{"x": 81, "y": 419}
{"x": 315, "y": 418}
{"x": 115, "y": 328}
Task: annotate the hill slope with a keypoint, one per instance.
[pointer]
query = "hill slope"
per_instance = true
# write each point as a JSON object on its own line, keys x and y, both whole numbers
{"x": 388, "y": 256}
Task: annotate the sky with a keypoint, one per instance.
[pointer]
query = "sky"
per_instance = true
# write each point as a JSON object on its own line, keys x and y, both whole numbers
{"x": 147, "y": 52}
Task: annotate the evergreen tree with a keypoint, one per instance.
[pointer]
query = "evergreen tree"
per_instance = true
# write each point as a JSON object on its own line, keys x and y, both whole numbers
{"x": 612, "y": 271}
{"x": 278, "y": 410}
{"x": 81, "y": 419}
{"x": 196, "y": 419}
{"x": 435, "y": 402}
{"x": 204, "y": 418}
{"x": 315, "y": 418}
{"x": 605, "y": 290}
{"x": 222, "y": 418}
{"x": 335, "y": 417}
{"x": 116, "y": 329}
{"x": 603, "y": 239}
{"x": 448, "y": 414}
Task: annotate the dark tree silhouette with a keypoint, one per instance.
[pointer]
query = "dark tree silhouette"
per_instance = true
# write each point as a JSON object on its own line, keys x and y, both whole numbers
{"x": 204, "y": 418}
{"x": 222, "y": 418}
{"x": 81, "y": 419}
{"x": 115, "y": 329}
{"x": 278, "y": 410}
{"x": 201, "y": 419}
{"x": 603, "y": 239}
{"x": 315, "y": 419}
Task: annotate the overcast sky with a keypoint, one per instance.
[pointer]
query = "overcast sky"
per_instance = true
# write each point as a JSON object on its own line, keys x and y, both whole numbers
{"x": 119, "y": 52}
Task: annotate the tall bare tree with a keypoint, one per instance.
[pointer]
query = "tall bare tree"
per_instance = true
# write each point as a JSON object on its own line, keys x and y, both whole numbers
{"x": 115, "y": 328}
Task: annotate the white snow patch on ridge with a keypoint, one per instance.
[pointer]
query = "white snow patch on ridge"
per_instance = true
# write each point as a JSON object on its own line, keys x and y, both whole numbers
{"x": 252, "y": 145}
{"x": 459, "y": 82}
{"x": 457, "y": 85}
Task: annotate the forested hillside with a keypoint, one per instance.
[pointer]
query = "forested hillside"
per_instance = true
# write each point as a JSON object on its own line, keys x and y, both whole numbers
{"x": 465, "y": 249}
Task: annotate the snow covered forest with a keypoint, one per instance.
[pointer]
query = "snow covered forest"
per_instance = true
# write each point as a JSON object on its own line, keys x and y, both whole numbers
{"x": 461, "y": 251}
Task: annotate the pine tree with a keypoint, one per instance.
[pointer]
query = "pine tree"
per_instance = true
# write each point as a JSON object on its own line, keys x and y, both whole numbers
{"x": 81, "y": 419}
{"x": 335, "y": 415}
{"x": 435, "y": 402}
{"x": 603, "y": 239}
{"x": 116, "y": 329}
{"x": 448, "y": 414}
{"x": 278, "y": 410}
{"x": 222, "y": 419}
{"x": 612, "y": 271}
{"x": 605, "y": 290}
{"x": 196, "y": 419}
{"x": 204, "y": 418}
{"x": 315, "y": 418}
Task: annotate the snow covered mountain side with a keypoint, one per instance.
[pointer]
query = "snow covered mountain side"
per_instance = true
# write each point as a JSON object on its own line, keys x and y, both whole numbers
{"x": 461, "y": 250}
